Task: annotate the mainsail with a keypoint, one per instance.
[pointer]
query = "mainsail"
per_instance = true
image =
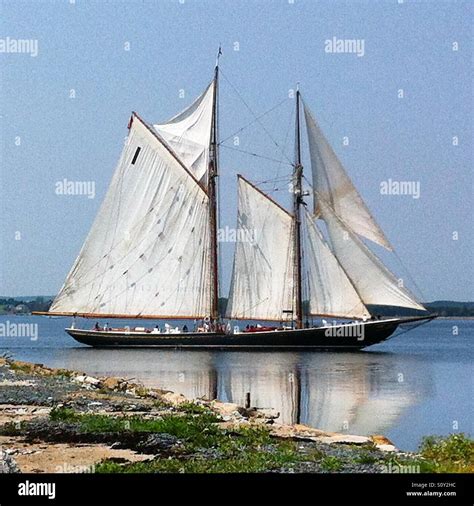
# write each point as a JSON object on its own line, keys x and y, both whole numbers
{"x": 332, "y": 183}
{"x": 374, "y": 283}
{"x": 189, "y": 133}
{"x": 261, "y": 286}
{"x": 331, "y": 292}
{"x": 148, "y": 251}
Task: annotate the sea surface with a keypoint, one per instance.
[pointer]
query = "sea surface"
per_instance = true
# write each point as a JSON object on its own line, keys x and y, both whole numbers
{"x": 417, "y": 383}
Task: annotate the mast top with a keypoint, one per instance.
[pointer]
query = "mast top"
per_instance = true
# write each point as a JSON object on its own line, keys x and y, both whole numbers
{"x": 219, "y": 53}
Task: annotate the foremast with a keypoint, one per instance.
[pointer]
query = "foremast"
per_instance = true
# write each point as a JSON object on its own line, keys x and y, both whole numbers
{"x": 297, "y": 202}
{"x": 212, "y": 193}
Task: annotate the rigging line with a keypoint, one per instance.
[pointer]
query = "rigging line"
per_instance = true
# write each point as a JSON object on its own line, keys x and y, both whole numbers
{"x": 280, "y": 179}
{"x": 256, "y": 118}
{"x": 410, "y": 276}
{"x": 285, "y": 142}
{"x": 252, "y": 154}
{"x": 254, "y": 121}
{"x": 412, "y": 327}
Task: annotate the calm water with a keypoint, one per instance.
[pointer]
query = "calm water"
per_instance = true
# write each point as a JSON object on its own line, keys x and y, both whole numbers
{"x": 416, "y": 384}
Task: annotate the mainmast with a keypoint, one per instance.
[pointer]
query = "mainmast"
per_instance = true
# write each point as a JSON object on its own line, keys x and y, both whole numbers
{"x": 297, "y": 201}
{"x": 212, "y": 191}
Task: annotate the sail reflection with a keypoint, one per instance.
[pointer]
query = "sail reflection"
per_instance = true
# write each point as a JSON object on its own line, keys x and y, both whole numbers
{"x": 360, "y": 393}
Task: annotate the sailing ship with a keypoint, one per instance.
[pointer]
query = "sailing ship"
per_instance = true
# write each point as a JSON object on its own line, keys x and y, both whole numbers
{"x": 152, "y": 252}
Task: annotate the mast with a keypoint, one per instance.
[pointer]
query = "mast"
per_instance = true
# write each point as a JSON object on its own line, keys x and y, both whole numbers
{"x": 212, "y": 191}
{"x": 297, "y": 201}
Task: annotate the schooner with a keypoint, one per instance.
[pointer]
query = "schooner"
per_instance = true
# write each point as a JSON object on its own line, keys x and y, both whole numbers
{"x": 152, "y": 252}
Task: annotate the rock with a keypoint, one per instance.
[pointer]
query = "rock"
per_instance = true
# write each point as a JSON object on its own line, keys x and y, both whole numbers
{"x": 386, "y": 448}
{"x": 383, "y": 443}
{"x": 3, "y": 361}
{"x": 267, "y": 414}
{"x": 155, "y": 443}
{"x": 87, "y": 380}
{"x": 379, "y": 439}
{"x": 299, "y": 431}
{"x": 228, "y": 409}
{"x": 7, "y": 463}
{"x": 174, "y": 399}
{"x": 345, "y": 439}
{"x": 110, "y": 383}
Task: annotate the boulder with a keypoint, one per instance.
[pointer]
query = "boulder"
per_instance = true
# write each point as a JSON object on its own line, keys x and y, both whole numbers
{"x": 87, "y": 380}
{"x": 110, "y": 383}
{"x": 267, "y": 414}
{"x": 7, "y": 464}
{"x": 174, "y": 399}
{"x": 228, "y": 410}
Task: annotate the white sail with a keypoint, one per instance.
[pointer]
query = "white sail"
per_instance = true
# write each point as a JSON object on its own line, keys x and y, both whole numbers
{"x": 331, "y": 293}
{"x": 148, "y": 250}
{"x": 189, "y": 133}
{"x": 374, "y": 283}
{"x": 262, "y": 278}
{"x": 331, "y": 181}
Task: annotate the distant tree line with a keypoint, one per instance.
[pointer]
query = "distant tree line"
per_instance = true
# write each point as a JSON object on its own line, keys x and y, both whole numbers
{"x": 17, "y": 306}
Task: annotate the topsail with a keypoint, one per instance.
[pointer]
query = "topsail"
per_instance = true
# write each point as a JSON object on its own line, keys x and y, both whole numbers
{"x": 332, "y": 183}
{"x": 189, "y": 133}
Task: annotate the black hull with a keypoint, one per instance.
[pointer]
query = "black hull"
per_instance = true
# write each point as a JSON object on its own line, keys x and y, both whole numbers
{"x": 337, "y": 337}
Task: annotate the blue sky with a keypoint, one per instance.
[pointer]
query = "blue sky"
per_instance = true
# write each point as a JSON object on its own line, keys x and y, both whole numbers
{"x": 48, "y": 136}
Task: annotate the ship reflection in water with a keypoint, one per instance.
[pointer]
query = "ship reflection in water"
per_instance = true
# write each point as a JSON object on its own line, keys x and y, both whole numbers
{"x": 357, "y": 393}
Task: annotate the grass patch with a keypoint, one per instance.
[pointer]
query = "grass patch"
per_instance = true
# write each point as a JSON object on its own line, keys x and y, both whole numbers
{"x": 252, "y": 460}
{"x": 63, "y": 415}
{"x": 197, "y": 430}
{"x": 193, "y": 408}
{"x": 22, "y": 367}
{"x": 452, "y": 454}
{"x": 331, "y": 464}
{"x": 364, "y": 457}
{"x": 13, "y": 429}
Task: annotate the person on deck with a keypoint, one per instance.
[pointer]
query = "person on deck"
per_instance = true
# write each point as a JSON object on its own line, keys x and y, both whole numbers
{"x": 96, "y": 326}
{"x": 185, "y": 328}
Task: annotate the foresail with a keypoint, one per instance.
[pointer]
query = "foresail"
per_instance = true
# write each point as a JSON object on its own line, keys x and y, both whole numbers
{"x": 262, "y": 278}
{"x": 374, "y": 283}
{"x": 331, "y": 293}
{"x": 148, "y": 250}
{"x": 331, "y": 181}
{"x": 189, "y": 132}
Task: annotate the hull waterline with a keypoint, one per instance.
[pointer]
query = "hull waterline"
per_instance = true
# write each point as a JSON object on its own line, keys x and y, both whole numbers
{"x": 337, "y": 337}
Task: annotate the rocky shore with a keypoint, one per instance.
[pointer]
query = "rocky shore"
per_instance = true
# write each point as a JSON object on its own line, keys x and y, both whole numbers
{"x": 56, "y": 420}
